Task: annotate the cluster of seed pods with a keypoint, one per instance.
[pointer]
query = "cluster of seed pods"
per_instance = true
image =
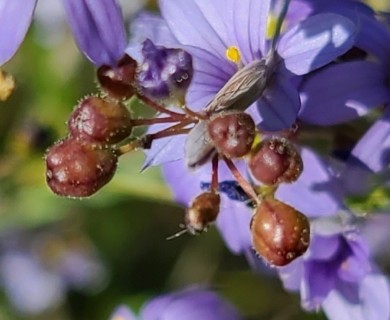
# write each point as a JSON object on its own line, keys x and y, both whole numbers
{"x": 280, "y": 233}
{"x": 100, "y": 131}
{"x": 83, "y": 162}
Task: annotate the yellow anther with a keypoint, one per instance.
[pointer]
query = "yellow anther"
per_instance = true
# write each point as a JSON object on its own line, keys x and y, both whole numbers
{"x": 233, "y": 54}
{"x": 7, "y": 85}
{"x": 271, "y": 26}
{"x": 272, "y": 23}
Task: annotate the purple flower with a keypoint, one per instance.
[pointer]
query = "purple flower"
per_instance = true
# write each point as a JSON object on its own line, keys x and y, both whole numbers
{"x": 223, "y": 36}
{"x": 356, "y": 86}
{"x": 189, "y": 304}
{"x": 164, "y": 73}
{"x": 338, "y": 274}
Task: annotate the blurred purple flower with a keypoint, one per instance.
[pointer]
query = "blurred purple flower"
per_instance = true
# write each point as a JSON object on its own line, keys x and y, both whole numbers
{"x": 123, "y": 313}
{"x": 338, "y": 274}
{"x": 208, "y": 29}
{"x": 96, "y": 25}
{"x": 31, "y": 288}
{"x": 189, "y": 304}
{"x": 36, "y": 269}
{"x": 15, "y": 19}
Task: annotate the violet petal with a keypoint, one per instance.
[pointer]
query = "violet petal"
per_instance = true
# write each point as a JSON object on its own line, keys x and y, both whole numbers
{"x": 191, "y": 27}
{"x": 185, "y": 185}
{"x": 319, "y": 281}
{"x": 374, "y": 301}
{"x": 15, "y": 19}
{"x": 251, "y": 39}
{"x": 315, "y": 193}
{"x": 375, "y": 297}
{"x": 372, "y": 150}
{"x": 357, "y": 264}
{"x": 191, "y": 304}
{"x": 165, "y": 150}
{"x": 279, "y": 105}
{"x": 98, "y": 29}
{"x": 323, "y": 247}
{"x": 315, "y": 42}
{"x": 356, "y": 87}
{"x": 210, "y": 74}
{"x": 233, "y": 223}
{"x": 291, "y": 275}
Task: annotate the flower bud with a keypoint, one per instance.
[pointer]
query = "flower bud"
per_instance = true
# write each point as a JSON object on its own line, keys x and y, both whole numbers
{"x": 164, "y": 73}
{"x": 101, "y": 121}
{"x": 203, "y": 210}
{"x": 78, "y": 169}
{"x": 275, "y": 160}
{"x": 232, "y": 133}
{"x": 280, "y": 233}
{"x": 118, "y": 82}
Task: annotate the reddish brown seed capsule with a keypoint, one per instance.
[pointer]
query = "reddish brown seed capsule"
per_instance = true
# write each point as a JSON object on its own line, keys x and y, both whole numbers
{"x": 279, "y": 232}
{"x": 203, "y": 210}
{"x": 118, "y": 81}
{"x": 100, "y": 121}
{"x": 232, "y": 133}
{"x": 78, "y": 169}
{"x": 275, "y": 160}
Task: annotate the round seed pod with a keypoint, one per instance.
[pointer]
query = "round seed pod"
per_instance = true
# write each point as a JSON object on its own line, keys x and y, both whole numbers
{"x": 275, "y": 160}
{"x": 118, "y": 81}
{"x": 202, "y": 212}
{"x": 280, "y": 233}
{"x": 232, "y": 133}
{"x": 100, "y": 121}
{"x": 78, "y": 169}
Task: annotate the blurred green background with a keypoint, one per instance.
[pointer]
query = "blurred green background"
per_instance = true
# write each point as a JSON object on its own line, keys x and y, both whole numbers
{"x": 121, "y": 230}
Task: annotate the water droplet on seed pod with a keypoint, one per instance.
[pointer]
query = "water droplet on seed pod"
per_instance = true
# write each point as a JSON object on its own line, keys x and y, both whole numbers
{"x": 280, "y": 233}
